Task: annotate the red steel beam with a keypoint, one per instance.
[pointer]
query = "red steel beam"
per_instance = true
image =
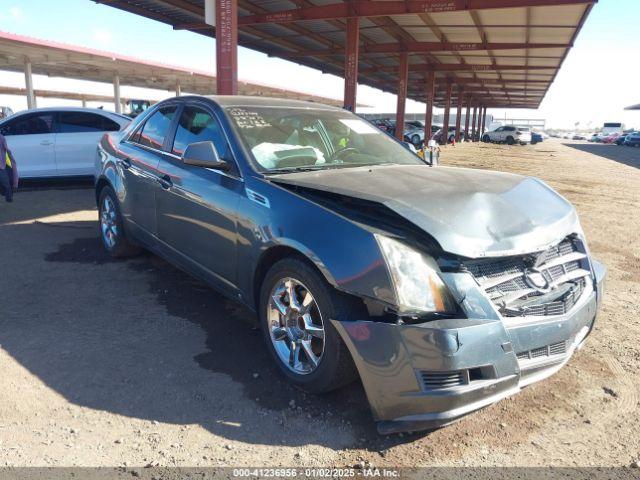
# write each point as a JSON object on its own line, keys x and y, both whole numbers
{"x": 473, "y": 123}
{"x": 227, "y": 47}
{"x": 351, "y": 63}
{"x": 484, "y": 120}
{"x": 378, "y": 8}
{"x": 456, "y": 67}
{"x": 403, "y": 80}
{"x": 459, "y": 114}
{"x": 431, "y": 96}
{"x": 467, "y": 118}
{"x": 444, "y": 139}
{"x": 424, "y": 47}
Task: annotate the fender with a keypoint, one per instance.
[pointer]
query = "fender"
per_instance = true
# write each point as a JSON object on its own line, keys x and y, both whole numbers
{"x": 285, "y": 219}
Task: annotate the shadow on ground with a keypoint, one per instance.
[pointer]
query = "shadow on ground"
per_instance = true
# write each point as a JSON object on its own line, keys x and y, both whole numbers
{"x": 625, "y": 155}
{"x": 125, "y": 361}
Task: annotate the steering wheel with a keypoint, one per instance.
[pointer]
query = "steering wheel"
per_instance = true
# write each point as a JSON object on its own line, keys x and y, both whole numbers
{"x": 338, "y": 153}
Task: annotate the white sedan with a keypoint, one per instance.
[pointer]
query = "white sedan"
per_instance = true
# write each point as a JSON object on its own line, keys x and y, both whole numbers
{"x": 58, "y": 142}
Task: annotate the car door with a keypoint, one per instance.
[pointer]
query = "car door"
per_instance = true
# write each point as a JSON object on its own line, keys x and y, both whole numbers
{"x": 78, "y": 134}
{"x": 140, "y": 155}
{"x": 31, "y": 139}
{"x": 197, "y": 207}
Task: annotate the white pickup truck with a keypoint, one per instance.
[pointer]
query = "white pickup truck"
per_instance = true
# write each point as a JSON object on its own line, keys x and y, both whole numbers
{"x": 508, "y": 134}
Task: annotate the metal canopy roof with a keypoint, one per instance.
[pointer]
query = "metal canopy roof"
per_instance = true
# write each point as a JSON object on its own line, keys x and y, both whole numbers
{"x": 506, "y": 52}
{"x": 62, "y": 60}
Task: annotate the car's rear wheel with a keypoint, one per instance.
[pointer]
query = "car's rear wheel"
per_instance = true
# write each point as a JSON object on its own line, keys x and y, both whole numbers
{"x": 296, "y": 309}
{"x": 112, "y": 231}
{"x": 510, "y": 140}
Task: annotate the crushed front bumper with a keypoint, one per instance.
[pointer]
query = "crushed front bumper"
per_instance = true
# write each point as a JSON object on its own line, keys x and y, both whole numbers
{"x": 425, "y": 376}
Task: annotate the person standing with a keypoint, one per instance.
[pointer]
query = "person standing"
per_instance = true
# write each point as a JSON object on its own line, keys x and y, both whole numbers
{"x": 8, "y": 170}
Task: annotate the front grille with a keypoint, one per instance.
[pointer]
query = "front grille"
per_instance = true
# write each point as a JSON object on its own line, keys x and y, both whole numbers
{"x": 440, "y": 380}
{"x": 548, "y": 351}
{"x": 561, "y": 274}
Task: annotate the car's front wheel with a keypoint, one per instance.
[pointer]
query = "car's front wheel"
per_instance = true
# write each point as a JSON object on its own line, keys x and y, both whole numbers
{"x": 486, "y": 139}
{"x": 112, "y": 231}
{"x": 296, "y": 309}
{"x": 415, "y": 139}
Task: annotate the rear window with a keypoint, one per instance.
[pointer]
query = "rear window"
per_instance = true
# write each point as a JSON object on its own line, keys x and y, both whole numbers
{"x": 523, "y": 129}
{"x": 83, "y": 122}
{"x": 155, "y": 129}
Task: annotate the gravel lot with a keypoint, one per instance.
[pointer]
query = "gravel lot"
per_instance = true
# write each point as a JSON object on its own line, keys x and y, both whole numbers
{"x": 134, "y": 363}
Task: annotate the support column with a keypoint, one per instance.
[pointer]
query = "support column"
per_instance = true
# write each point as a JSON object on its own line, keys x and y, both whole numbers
{"x": 447, "y": 111}
{"x": 178, "y": 89}
{"x": 459, "y": 115}
{"x": 84, "y": 103}
{"x": 227, "y": 47}
{"x": 28, "y": 80}
{"x": 484, "y": 121}
{"x": 116, "y": 94}
{"x": 467, "y": 118}
{"x": 473, "y": 123}
{"x": 479, "y": 134}
{"x": 351, "y": 63}
{"x": 428, "y": 118}
{"x": 403, "y": 79}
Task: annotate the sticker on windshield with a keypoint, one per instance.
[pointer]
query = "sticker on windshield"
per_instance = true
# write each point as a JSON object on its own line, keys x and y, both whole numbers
{"x": 246, "y": 119}
{"x": 359, "y": 126}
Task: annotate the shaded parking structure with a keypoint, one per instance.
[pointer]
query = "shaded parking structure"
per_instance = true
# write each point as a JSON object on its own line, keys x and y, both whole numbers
{"x": 19, "y": 53}
{"x": 473, "y": 54}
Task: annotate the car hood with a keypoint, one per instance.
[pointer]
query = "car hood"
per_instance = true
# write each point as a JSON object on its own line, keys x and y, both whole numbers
{"x": 473, "y": 213}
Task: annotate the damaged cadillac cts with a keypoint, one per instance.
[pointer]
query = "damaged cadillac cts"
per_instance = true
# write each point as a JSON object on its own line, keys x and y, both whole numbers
{"x": 443, "y": 289}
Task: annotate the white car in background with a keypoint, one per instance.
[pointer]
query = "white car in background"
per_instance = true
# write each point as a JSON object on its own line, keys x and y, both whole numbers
{"x": 508, "y": 134}
{"x": 58, "y": 142}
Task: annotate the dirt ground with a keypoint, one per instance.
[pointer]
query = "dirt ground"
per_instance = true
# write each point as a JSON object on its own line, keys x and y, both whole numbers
{"x": 112, "y": 363}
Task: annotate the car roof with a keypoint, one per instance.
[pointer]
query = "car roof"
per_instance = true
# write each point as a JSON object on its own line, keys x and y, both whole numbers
{"x": 249, "y": 101}
{"x": 98, "y": 111}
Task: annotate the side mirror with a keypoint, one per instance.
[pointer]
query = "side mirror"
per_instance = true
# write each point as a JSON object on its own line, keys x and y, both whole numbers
{"x": 204, "y": 154}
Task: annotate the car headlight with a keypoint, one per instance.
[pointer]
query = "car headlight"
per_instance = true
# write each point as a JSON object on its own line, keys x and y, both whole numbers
{"x": 418, "y": 286}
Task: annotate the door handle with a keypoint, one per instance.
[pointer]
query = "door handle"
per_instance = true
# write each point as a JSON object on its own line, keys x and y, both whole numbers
{"x": 165, "y": 182}
{"x": 126, "y": 163}
{"x": 46, "y": 143}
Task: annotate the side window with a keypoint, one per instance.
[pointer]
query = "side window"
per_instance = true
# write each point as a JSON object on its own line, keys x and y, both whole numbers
{"x": 78, "y": 122}
{"x": 500, "y": 129}
{"x": 31, "y": 124}
{"x": 198, "y": 125}
{"x": 155, "y": 128}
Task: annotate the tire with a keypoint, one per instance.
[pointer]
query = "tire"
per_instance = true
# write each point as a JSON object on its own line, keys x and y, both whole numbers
{"x": 486, "y": 139}
{"x": 335, "y": 368}
{"x": 510, "y": 140}
{"x": 111, "y": 226}
{"x": 415, "y": 139}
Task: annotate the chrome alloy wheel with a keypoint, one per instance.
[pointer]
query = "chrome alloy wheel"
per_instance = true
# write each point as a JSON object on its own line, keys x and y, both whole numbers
{"x": 295, "y": 326}
{"x": 108, "y": 224}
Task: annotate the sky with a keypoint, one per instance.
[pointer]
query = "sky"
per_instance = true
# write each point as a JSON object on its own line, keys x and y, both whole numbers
{"x": 598, "y": 79}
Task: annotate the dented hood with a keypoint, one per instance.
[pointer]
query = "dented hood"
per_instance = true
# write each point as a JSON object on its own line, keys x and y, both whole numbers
{"x": 473, "y": 213}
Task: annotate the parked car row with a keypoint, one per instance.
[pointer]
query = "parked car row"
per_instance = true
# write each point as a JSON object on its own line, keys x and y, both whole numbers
{"x": 58, "y": 142}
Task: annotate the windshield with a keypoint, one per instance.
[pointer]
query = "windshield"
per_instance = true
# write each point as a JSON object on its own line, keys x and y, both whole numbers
{"x": 291, "y": 139}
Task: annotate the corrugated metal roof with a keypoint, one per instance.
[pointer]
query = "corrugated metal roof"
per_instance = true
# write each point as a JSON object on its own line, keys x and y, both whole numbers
{"x": 522, "y": 75}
